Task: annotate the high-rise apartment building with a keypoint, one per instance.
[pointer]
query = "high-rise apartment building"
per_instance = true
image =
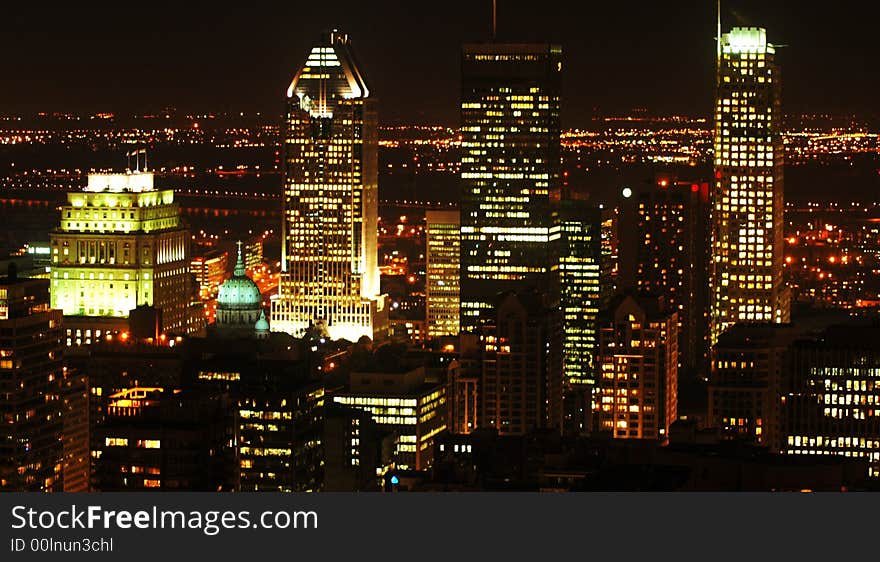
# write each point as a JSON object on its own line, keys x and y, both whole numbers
{"x": 121, "y": 244}
{"x": 32, "y": 378}
{"x": 330, "y": 272}
{"x": 442, "y": 273}
{"x": 672, "y": 258}
{"x": 521, "y": 386}
{"x": 637, "y": 384}
{"x": 510, "y": 170}
{"x": 747, "y": 203}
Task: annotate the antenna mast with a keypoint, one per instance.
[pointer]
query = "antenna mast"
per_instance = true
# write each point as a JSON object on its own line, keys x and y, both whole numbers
{"x": 494, "y": 19}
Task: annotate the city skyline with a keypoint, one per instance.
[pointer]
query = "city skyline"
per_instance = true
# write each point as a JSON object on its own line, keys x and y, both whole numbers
{"x": 157, "y": 60}
{"x": 306, "y": 305}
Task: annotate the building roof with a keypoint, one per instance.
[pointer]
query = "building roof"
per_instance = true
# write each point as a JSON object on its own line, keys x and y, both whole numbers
{"x": 239, "y": 292}
{"x": 328, "y": 73}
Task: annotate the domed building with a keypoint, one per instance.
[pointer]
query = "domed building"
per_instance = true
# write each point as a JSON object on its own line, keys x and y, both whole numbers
{"x": 240, "y": 306}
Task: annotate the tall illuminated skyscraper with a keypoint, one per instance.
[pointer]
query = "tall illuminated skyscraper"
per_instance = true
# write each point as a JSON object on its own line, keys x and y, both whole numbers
{"x": 121, "y": 244}
{"x": 330, "y": 272}
{"x": 747, "y": 203}
{"x": 576, "y": 238}
{"x": 442, "y": 273}
{"x": 510, "y": 170}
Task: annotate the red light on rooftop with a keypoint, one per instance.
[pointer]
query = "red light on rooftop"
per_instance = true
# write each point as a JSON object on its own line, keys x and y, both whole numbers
{"x": 695, "y": 187}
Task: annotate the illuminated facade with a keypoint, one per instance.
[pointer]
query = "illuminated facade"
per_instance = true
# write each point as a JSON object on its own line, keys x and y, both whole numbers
{"x": 576, "y": 234}
{"x": 442, "y": 273}
{"x": 31, "y": 379}
{"x": 210, "y": 271}
{"x": 576, "y": 239}
{"x": 330, "y": 272}
{"x": 240, "y": 305}
{"x": 747, "y": 203}
{"x": 832, "y": 403}
{"x": 672, "y": 259}
{"x": 404, "y": 403}
{"x": 510, "y": 170}
{"x": 637, "y": 391}
{"x": 279, "y": 432}
{"x": 120, "y": 244}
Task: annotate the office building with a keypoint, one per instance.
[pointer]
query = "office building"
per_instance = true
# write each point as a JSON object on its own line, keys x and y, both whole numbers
{"x": 637, "y": 384}
{"x": 253, "y": 253}
{"x": 576, "y": 242}
{"x": 209, "y": 270}
{"x": 121, "y": 244}
{"x": 746, "y": 281}
{"x": 510, "y": 171}
{"x": 832, "y": 396}
{"x": 31, "y": 388}
{"x": 330, "y": 271}
{"x": 404, "y": 403}
{"x": 442, "y": 298}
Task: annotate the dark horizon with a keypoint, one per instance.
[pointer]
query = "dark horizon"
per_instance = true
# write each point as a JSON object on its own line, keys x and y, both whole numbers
{"x": 76, "y": 59}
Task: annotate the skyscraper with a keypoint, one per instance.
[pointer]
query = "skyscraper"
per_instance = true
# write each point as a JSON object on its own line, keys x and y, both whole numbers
{"x": 32, "y": 381}
{"x": 120, "y": 244}
{"x": 442, "y": 302}
{"x": 510, "y": 170}
{"x": 576, "y": 239}
{"x": 671, "y": 258}
{"x": 747, "y": 204}
{"x": 330, "y": 273}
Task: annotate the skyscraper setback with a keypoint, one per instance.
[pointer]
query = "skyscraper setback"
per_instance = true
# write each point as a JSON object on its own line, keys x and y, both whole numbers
{"x": 510, "y": 170}
{"x": 747, "y": 204}
{"x": 330, "y": 273}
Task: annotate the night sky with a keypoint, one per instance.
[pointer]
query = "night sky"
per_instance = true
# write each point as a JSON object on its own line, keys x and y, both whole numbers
{"x": 142, "y": 56}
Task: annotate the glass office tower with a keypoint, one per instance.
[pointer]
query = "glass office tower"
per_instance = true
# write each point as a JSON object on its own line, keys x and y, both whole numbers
{"x": 330, "y": 274}
{"x": 510, "y": 170}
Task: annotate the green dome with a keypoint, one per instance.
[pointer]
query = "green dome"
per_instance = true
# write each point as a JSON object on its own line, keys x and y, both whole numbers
{"x": 239, "y": 291}
{"x": 262, "y": 324}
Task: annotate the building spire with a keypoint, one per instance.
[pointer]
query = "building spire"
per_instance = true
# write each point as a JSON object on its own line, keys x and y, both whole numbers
{"x": 494, "y": 19}
{"x": 239, "y": 263}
